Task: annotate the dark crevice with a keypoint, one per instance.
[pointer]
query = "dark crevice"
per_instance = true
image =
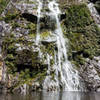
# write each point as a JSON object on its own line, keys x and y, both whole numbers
{"x": 93, "y": 1}
{"x": 30, "y": 17}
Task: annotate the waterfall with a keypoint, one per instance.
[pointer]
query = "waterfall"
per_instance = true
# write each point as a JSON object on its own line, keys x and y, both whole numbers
{"x": 65, "y": 76}
{"x": 38, "y": 21}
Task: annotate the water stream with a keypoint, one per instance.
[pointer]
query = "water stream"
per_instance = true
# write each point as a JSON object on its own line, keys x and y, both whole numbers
{"x": 65, "y": 76}
{"x": 38, "y": 21}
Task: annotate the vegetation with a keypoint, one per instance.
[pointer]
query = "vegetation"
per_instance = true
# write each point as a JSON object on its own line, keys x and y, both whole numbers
{"x": 24, "y": 61}
{"x": 97, "y": 5}
{"x": 3, "y": 4}
{"x": 82, "y": 32}
{"x": 20, "y": 55}
{"x": 10, "y": 16}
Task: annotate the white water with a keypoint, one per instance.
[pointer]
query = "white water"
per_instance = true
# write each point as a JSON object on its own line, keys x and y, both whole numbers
{"x": 38, "y": 21}
{"x": 65, "y": 76}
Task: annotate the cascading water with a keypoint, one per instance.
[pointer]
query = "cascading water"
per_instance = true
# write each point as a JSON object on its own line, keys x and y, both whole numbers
{"x": 40, "y": 5}
{"x": 65, "y": 76}
{"x": 38, "y": 21}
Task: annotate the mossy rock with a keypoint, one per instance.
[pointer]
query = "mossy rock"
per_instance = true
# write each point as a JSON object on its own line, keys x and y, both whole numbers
{"x": 3, "y": 4}
{"x": 24, "y": 63}
{"x": 82, "y": 32}
{"x": 45, "y": 34}
{"x": 78, "y": 16}
{"x": 11, "y": 15}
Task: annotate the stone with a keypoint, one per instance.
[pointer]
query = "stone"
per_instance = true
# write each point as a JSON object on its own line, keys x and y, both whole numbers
{"x": 90, "y": 74}
{"x": 30, "y": 17}
{"x": 98, "y": 89}
{"x": 1, "y": 64}
{"x": 94, "y": 13}
{"x": 26, "y": 8}
{"x": 1, "y": 28}
{"x": 24, "y": 31}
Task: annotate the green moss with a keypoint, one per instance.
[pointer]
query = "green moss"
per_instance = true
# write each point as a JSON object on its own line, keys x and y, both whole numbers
{"x": 10, "y": 57}
{"x": 83, "y": 34}
{"x": 31, "y": 26}
{"x": 9, "y": 17}
{"x": 10, "y": 66}
{"x": 45, "y": 34}
{"x": 77, "y": 16}
{"x": 15, "y": 24}
{"x": 32, "y": 35}
{"x": 48, "y": 48}
{"x": 25, "y": 63}
{"x": 30, "y": 2}
{"x": 1, "y": 18}
{"x": 3, "y": 4}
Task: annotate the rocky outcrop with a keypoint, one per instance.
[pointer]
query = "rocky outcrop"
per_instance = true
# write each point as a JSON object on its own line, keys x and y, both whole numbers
{"x": 27, "y": 64}
{"x": 2, "y": 75}
{"x": 26, "y": 88}
{"x": 91, "y": 74}
{"x": 94, "y": 13}
{"x": 27, "y": 8}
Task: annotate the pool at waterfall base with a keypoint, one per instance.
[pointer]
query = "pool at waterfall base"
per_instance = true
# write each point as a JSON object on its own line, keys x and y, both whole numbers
{"x": 52, "y": 96}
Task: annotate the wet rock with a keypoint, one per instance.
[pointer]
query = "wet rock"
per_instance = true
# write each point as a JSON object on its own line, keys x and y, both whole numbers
{"x": 35, "y": 86}
{"x": 5, "y": 28}
{"x": 47, "y": 22}
{"x": 1, "y": 64}
{"x": 30, "y": 17}
{"x": 1, "y": 67}
{"x": 26, "y": 8}
{"x": 24, "y": 57}
{"x": 98, "y": 89}
{"x": 24, "y": 31}
{"x": 63, "y": 16}
{"x": 1, "y": 28}
{"x": 90, "y": 73}
{"x": 3, "y": 88}
{"x": 23, "y": 89}
{"x": 26, "y": 88}
{"x": 14, "y": 0}
{"x": 48, "y": 41}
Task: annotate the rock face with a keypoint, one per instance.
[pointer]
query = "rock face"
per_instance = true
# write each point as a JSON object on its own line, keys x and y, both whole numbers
{"x": 27, "y": 8}
{"x": 79, "y": 30}
{"x": 1, "y": 65}
{"x": 27, "y": 64}
{"x": 1, "y": 28}
{"x": 91, "y": 74}
{"x": 2, "y": 75}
